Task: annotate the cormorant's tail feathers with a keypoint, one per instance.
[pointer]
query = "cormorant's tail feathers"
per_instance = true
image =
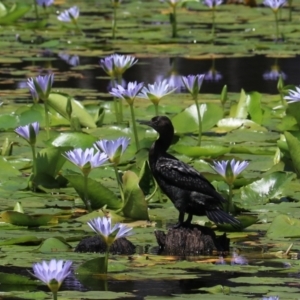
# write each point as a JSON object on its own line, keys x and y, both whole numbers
{"x": 221, "y": 217}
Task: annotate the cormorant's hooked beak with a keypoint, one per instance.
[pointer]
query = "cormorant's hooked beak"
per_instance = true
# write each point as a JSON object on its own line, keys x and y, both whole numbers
{"x": 148, "y": 123}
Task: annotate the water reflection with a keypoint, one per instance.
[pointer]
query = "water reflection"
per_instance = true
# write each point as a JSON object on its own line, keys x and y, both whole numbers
{"x": 274, "y": 73}
{"x": 248, "y": 73}
{"x": 72, "y": 60}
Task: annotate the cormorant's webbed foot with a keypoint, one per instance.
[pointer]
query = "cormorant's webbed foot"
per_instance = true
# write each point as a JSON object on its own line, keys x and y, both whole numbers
{"x": 182, "y": 223}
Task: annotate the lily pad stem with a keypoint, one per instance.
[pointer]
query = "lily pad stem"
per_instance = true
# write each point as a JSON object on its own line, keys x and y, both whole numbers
{"x": 54, "y": 295}
{"x": 85, "y": 193}
{"x": 277, "y": 26}
{"x": 116, "y": 103}
{"x": 174, "y": 22}
{"x": 136, "y": 138}
{"x": 47, "y": 119}
{"x": 77, "y": 27}
{"x": 33, "y": 159}
{"x": 106, "y": 259}
{"x": 119, "y": 184}
{"x": 290, "y": 10}
{"x": 199, "y": 121}
{"x": 114, "y": 25}
{"x": 120, "y": 101}
{"x": 36, "y": 10}
{"x": 230, "y": 196}
{"x": 213, "y": 23}
{"x": 156, "y": 109}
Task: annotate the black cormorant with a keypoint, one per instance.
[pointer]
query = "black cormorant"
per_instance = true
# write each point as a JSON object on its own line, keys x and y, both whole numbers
{"x": 189, "y": 191}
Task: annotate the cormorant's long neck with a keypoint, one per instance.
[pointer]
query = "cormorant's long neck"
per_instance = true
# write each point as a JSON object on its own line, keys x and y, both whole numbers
{"x": 162, "y": 144}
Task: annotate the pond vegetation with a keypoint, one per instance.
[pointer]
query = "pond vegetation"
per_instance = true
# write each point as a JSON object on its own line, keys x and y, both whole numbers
{"x": 54, "y": 189}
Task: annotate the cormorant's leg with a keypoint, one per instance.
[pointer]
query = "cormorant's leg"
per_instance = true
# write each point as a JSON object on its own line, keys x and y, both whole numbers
{"x": 188, "y": 220}
{"x": 180, "y": 220}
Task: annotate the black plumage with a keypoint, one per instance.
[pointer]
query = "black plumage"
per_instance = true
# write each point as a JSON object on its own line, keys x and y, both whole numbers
{"x": 189, "y": 191}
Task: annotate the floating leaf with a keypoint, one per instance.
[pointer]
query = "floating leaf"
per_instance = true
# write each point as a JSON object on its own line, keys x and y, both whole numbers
{"x": 27, "y": 239}
{"x": 229, "y": 124}
{"x": 53, "y": 245}
{"x": 16, "y": 12}
{"x": 135, "y": 206}
{"x": 187, "y": 120}
{"x": 74, "y": 139}
{"x": 294, "y": 150}
{"x": 8, "y": 121}
{"x": 239, "y": 111}
{"x": 293, "y": 110}
{"x": 49, "y": 161}
{"x": 21, "y": 219}
{"x": 254, "y": 107}
{"x": 284, "y": 226}
{"x": 263, "y": 190}
{"x": 217, "y": 289}
{"x": 197, "y": 151}
{"x": 93, "y": 266}
{"x": 98, "y": 194}
{"x": 15, "y": 279}
{"x": 59, "y": 103}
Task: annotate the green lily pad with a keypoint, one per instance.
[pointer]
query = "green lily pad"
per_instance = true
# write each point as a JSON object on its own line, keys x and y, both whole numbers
{"x": 135, "y": 206}
{"x": 294, "y": 150}
{"x": 59, "y": 103}
{"x": 53, "y": 245}
{"x": 98, "y": 194}
{"x": 74, "y": 139}
{"x": 187, "y": 120}
{"x": 197, "y": 151}
{"x": 284, "y": 226}
{"x": 20, "y": 219}
{"x": 263, "y": 190}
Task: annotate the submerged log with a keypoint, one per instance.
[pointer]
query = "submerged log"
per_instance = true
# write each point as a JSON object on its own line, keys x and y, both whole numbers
{"x": 192, "y": 240}
{"x": 95, "y": 244}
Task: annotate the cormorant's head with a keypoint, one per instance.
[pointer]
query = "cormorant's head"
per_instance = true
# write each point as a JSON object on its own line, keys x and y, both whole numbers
{"x": 161, "y": 124}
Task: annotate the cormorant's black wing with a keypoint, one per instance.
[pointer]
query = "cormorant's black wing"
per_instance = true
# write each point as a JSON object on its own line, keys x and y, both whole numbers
{"x": 180, "y": 174}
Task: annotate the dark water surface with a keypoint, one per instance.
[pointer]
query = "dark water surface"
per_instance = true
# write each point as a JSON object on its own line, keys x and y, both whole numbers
{"x": 256, "y": 73}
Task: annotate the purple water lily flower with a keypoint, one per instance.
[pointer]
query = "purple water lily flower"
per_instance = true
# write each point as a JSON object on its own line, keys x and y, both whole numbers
{"x": 115, "y": 65}
{"x": 294, "y": 96}
{"x": 212, "y": 3}
{"x": 45, "y": 3}
{"x": 213, "y": 75}
{"x": 102, "y": 226}
{"x": 128, "y": 94}
{"x": 29, "y": 132}
{"x": 113, "y": 148}
{"x": 274, "y": 74}
{"x": 229, "y": 169}
{"x": 193, "y": 83}
{"x": 41, "y": 86}
{"x": 69, "y": 15}
{"x": 86, "y": 159}
{"x": 274, "y": 4}
{"x": 52, "y": 273}
{"x": 154, "y": 92}
{"x": 72, "y": 60}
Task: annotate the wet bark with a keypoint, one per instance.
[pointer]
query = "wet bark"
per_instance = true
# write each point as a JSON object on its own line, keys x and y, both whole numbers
{"x": 96, "y": 245}
{"x": 192, "y": 240}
